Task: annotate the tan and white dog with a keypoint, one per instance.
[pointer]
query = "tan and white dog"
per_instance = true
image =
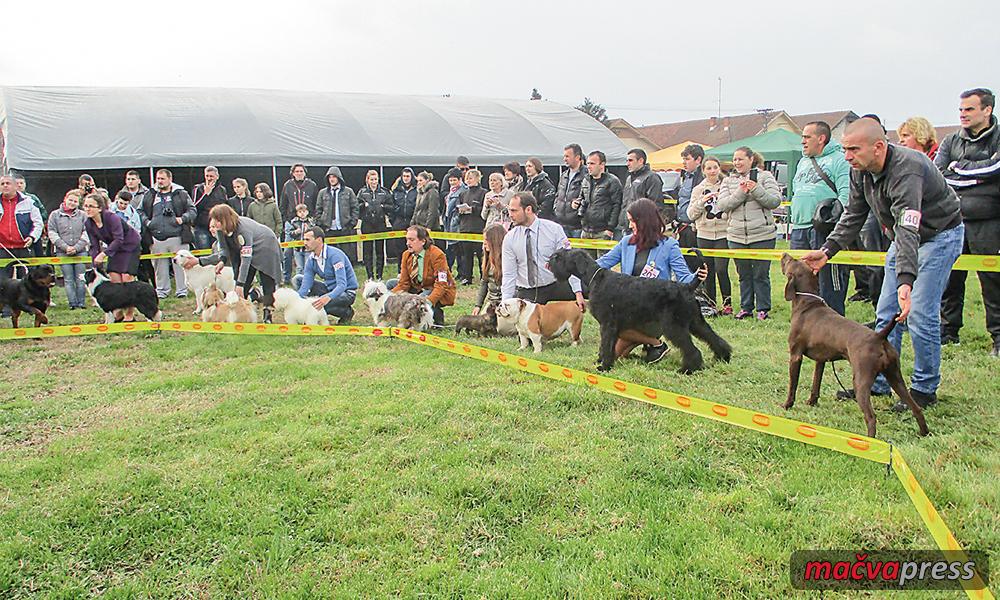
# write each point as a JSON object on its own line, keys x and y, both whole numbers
{"x": 538, "y": 322}
{"x": 199, "y": 278}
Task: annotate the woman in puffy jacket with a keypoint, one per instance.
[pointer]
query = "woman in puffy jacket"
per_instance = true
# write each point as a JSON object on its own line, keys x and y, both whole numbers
{"x": 374, "y": 204}
{"x": 496, "y": 202}
{"x": 748, "y": 195}
{"x": 711, "y": 224}
{"x": 427, "y": 211}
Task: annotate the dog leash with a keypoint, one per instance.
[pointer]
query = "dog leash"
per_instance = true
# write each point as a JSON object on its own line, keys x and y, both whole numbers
{"x": 17, "y": 261}
{"x": 591, "y": 283}
{"x": 833, "y": 363}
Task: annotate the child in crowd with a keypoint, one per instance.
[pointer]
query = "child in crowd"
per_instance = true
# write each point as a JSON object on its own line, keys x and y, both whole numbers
{"x": 294, "y": 229}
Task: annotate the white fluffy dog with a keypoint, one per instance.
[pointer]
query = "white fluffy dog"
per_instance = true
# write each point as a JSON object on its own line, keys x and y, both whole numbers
{"x": 199, "y": 277}
{"x": 409, "y": 311}
{"x": 299, "y": 311}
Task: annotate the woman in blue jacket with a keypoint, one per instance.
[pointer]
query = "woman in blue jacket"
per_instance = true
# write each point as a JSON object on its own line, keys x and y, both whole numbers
{"x": 648, "y": 252}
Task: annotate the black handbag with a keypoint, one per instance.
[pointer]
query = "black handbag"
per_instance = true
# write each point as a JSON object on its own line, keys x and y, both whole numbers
{"x": 828, "y": 211}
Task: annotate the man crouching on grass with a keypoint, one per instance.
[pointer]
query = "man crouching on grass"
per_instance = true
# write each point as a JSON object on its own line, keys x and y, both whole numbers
{"x": 329, "y": 276}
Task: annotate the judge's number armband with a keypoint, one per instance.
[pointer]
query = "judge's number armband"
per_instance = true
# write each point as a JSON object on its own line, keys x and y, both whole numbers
{"x": 339, "y": 266}
{"x": 443, "y": 276}
{"x": 246, "y": 251}
{"x": 911, "y": 219}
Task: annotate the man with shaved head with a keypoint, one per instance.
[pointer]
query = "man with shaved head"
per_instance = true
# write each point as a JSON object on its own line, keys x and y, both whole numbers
{"x": 921, "y": 215}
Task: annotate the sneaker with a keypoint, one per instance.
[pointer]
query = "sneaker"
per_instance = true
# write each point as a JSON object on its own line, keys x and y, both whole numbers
{"x": 923, "y": 401}
{"x": 995, "y": 352}
{"x": 655, "y": 353}
{"x": 761, "y": 315}
{"x": 859, "y": 297}
{"x": 743, "y": 314}
{"x": 949, "y": 338}
{"x": 182, "y": 295}
{"x": 267, "y": 316}
{"x": 163, "y": 297}
{"x": 346, "y": 319}
{"x": 727, "y": 310}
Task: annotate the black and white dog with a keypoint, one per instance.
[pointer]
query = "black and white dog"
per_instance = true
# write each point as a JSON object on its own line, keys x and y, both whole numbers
{"x": 654, "y": 307}
{"x": 116, "y": 296}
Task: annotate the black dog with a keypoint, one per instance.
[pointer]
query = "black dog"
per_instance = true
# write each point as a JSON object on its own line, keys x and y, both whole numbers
{"x": 116, "y": 296}
{"x": 30, "y": 295}
{"x": 652, "y": 306}
{"x": 485, "y": 322}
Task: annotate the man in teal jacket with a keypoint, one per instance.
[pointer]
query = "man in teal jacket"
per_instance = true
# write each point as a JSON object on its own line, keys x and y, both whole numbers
{"x": 822, "y": 174}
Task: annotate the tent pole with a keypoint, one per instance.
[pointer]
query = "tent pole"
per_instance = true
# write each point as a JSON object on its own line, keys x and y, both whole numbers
{"x": 274, "y": 178}
{"x": 151, "y": 176}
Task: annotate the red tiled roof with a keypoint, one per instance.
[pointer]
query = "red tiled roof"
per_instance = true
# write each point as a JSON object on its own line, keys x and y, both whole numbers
{"x": 711, "y": 131}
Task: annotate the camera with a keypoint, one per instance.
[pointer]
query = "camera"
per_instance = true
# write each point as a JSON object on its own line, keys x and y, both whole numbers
{"x": 168, "y": 210}
{"x": 753, "y": 174}
{"x": 583, "y": 207}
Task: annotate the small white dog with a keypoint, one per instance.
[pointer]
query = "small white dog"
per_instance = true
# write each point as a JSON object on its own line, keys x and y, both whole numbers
{"x": 299, "y": 311}
{"x": 537, "y": 322}
{"x": 409, "y": 311}
{"x": 199, "y": 277}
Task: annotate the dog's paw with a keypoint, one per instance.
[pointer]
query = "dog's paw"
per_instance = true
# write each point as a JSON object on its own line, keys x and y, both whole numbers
{"x": 42, "y": 319}
{"x": 603, "y": 368}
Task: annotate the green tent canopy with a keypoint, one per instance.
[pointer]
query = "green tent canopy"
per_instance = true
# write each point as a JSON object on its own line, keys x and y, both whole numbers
{"x": 779, "y": 145}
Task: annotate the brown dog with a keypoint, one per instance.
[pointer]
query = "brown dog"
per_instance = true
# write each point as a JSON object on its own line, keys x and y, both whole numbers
{"x": 485, "y": 323}
{"x": 221, "y": 307}
{"x": 537, "y": 322}
{"x": 820, "y": 333}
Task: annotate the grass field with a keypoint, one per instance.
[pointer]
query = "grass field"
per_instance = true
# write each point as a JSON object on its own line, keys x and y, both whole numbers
{"x": 184, "y": 465}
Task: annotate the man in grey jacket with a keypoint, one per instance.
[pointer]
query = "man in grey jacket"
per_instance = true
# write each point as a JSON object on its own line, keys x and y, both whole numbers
{"x": 921, "y": 216}
{"x": 641, "y": 182}
{"x": 970, "y": 161}
{"x": 167, "y": 213}
{"x": 568, "y": 192}
{"x": 337, "y": 210}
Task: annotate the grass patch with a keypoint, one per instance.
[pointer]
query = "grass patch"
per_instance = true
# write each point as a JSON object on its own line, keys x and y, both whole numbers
{"x": 211, "y": 466}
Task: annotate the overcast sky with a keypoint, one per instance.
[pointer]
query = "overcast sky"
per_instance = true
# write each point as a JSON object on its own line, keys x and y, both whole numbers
{"x": 648, "y": 62}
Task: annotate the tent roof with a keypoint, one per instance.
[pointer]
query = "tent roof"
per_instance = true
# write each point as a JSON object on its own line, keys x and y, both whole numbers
{"x": 670, "y": 158}
{"x": 779, "y": 144}
{"x": 66, "y": 128}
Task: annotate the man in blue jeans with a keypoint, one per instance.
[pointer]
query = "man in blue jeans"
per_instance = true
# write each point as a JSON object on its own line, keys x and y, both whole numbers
{"x": 921, "y": 215}
{"x": 329, "y": 276}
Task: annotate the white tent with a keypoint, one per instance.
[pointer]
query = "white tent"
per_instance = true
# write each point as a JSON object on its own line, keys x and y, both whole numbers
{"x": 78, "y": 128}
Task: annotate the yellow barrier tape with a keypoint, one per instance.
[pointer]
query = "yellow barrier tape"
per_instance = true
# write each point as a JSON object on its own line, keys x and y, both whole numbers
{"x": 190, "y": 327}
{"x": 935, "y": 524}
{"x": 815, "y": 435}
{"x": 965, "y": 262}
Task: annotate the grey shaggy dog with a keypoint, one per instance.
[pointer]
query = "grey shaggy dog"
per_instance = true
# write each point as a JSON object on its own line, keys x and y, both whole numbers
{"x": 409, "y": 311}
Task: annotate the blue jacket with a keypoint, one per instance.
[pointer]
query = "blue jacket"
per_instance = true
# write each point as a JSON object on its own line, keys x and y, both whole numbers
{"x": 338, "y": 274}
{"x": 665, "y": 258}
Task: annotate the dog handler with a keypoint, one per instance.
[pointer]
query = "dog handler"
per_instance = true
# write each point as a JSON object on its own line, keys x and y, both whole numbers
{"x": 647, "y": 252}
{"x": 526, "y": 250}
{"x": 336, "y": 285}
{"x": 424, "y": 271}
{"x": 249, "y": 248}
{"x": 920, "y": 213}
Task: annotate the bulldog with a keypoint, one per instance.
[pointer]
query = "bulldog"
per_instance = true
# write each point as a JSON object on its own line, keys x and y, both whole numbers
{"x": 538, "y": 322}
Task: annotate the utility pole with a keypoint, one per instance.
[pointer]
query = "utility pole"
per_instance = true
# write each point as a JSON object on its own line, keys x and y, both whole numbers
{"x": 719, "y": 113}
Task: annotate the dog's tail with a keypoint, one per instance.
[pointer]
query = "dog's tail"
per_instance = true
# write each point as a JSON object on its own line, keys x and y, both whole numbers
{"x": 885, "y": 331}
{"x": 696, "y": 282}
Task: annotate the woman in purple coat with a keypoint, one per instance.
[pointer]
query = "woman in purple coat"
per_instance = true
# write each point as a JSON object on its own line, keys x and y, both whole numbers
{"x": 111, "y": 239}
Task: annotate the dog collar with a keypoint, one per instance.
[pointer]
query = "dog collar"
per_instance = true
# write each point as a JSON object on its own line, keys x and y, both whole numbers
{"x": 820, "y": 298}
{"x": 599, "y": 269}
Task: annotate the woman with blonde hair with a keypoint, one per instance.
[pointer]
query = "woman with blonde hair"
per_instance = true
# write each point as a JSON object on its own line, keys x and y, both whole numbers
{"x": 470, "y": 220}
{"x": 918, "y": 133}
{"x": 496, "y": 202}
